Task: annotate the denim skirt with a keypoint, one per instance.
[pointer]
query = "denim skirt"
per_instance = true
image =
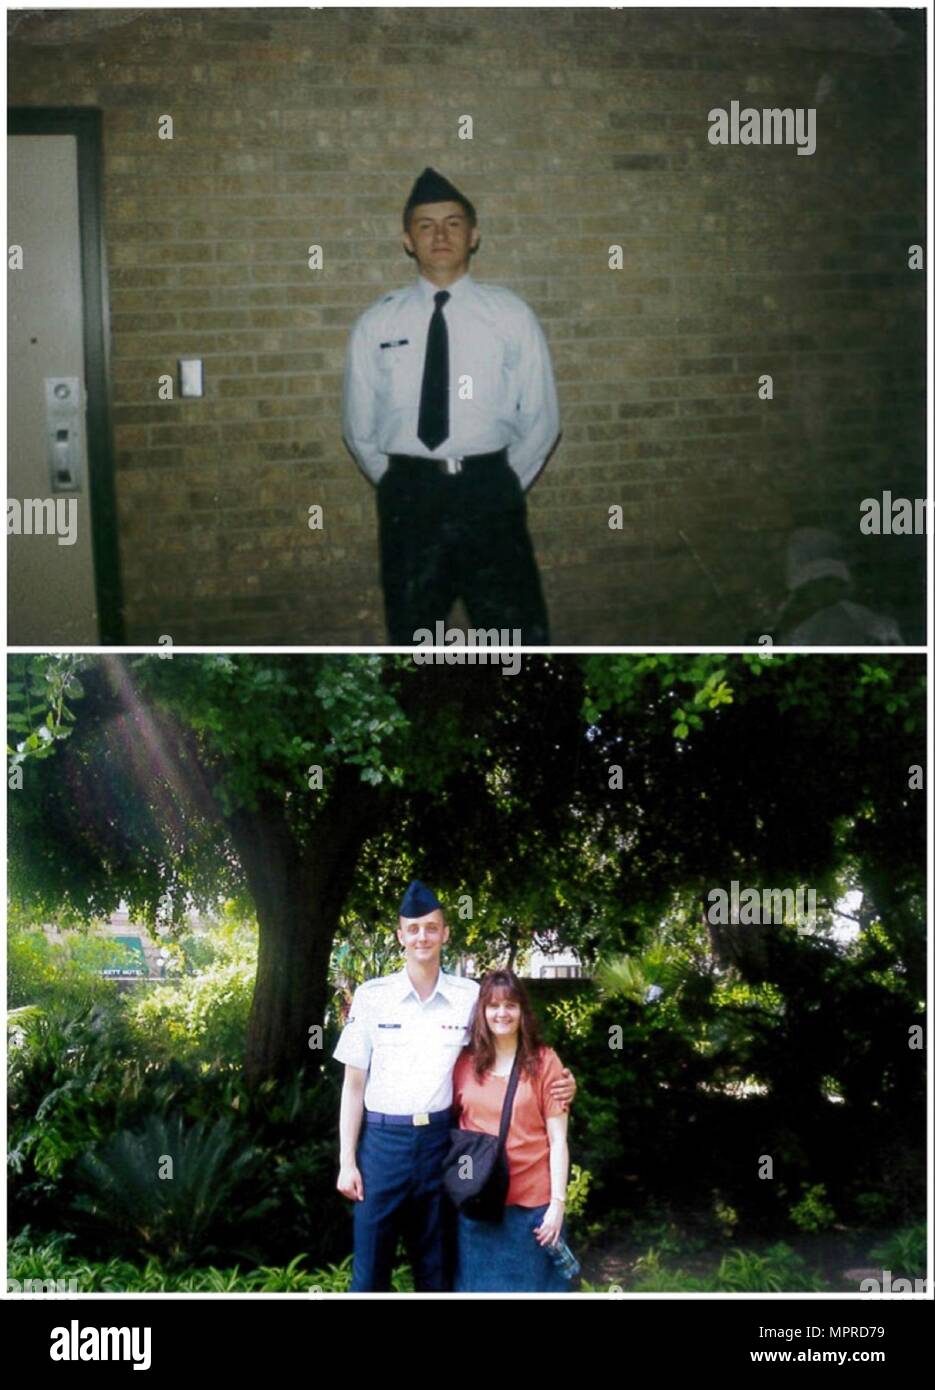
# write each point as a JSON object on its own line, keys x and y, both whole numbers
{"x": 506, "y": 1258}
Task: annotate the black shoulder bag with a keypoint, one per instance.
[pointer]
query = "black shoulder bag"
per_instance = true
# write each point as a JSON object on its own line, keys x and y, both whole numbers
{"x": 476, "y": 1173}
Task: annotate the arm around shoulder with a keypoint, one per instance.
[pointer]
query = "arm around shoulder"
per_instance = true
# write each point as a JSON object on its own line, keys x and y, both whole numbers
{"x": 559, "y": 1087}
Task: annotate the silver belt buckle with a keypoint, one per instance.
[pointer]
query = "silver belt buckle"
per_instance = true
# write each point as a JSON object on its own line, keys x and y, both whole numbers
{"x": 421, "y": 1119}
{"x": 451, "y": 466}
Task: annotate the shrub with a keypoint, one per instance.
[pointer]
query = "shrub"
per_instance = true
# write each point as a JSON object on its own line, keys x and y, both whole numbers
{"x": 576, "y": 1193}
{"x": 168, "y": 1189}
{"x": 873, "y": 1207}
{"x": 201, "y": 1019}
{"x": 47, "y": 1258}
{"x": 812, "y": 1212}
{"x": 904, "y": 1254}
{"x": 780, "y": 1270}
{"x": 43, "y": 972}
{"x": 65, "y": 1082}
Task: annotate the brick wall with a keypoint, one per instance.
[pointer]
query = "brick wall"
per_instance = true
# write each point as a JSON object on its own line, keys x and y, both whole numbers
{"x": 294, "y": 127}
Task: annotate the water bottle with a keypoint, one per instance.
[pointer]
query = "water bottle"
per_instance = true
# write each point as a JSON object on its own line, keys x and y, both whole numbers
{"x": 564, "y": 1260}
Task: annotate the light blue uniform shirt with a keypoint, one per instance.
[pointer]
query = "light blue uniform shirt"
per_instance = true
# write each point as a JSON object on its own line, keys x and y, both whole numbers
{"x": 494, "y": 338}
{"x": 409, "y": 1046}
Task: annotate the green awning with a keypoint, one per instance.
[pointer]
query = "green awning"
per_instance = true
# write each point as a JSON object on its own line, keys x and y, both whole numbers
{"x": 136, "y": 966}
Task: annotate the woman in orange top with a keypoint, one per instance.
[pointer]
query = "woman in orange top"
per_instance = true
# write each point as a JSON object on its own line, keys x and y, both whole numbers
{"x": 514, "y": 1256}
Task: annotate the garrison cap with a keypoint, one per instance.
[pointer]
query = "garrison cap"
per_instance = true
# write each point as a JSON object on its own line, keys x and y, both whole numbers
{"x": 432, "y": 187}
{"x": 418, "y": 900}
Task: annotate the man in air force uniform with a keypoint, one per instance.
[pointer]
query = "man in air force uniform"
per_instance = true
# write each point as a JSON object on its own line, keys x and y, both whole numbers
{"x": 450, "y": 409}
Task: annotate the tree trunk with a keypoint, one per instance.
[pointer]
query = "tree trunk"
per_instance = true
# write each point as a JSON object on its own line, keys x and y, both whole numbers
{"x": 291, "y": 991}
{"x": 299, "y": 891}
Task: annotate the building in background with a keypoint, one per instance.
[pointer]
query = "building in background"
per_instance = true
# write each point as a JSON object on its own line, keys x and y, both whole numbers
{"x": 149, "y": 956}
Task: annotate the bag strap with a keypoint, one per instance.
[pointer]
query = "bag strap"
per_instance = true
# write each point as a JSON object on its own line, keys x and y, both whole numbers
{"x": 506, "y": 1113}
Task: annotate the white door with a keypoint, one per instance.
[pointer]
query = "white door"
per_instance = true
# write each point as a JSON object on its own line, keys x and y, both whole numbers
{"x": 50, "y": 569}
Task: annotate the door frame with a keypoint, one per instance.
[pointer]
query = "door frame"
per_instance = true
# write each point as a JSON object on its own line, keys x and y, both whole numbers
{"x": 86, "y": 124}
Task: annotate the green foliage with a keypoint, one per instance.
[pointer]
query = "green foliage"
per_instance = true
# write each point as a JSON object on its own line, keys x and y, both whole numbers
{"x": 167, "y": 1190}
{"x": 78, "y": 1079}
{"x": 82, "y": 1058}
{"x": 685, "y": 686}
{"x": 622, "y": 976}
{"x": 161, "y": 754}
{"x": 873, "y": 1208}
{"x": 650, "y": 1275}
{"x": 726, "y": 1215}
{"x": 63, "y": 1080}
{"x": 303, "y": 713}
{"x": 664, "y": 1236}
{"x": 364, "y": 952}
{"x": 362, "y": 717}
{"x": 40, "y": 971}
{"x": 780, "y": 1270}
{"x": 202, "y": 1018}
{"x": 334, "y": 1278}
{"x": 576, "y": 1193}
{"x": 904, "y": 1253}
{"x": 201, "y": 1014}
{"x": 812, "y": 1212}
{"x": 47, "y": 1258}
{"x": 37, "y": 715}
{"x": 573, "y": 1025}
{"x": 573, "y": 1016}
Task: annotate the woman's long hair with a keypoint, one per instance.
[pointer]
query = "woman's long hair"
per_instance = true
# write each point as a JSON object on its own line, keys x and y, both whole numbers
{"x": 495, "y": 986}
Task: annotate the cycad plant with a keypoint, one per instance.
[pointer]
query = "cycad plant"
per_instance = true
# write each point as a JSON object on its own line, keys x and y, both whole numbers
{"x": 171, "y": 1190}
{"x": 622, "y": 975}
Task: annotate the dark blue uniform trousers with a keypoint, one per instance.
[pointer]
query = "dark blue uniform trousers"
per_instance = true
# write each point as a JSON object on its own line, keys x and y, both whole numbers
{"x": 443, "y": 538}
{"x": 401, "y": 1167}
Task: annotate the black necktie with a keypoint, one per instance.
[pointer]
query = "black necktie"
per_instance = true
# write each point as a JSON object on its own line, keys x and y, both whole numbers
{"x": 433, "y": 403}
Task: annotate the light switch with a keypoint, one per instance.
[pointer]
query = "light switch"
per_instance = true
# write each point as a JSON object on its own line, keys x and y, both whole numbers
{"x": 191, "y": 376}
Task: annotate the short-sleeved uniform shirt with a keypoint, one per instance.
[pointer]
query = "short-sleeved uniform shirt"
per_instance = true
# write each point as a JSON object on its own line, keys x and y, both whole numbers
{"x": 409, "y": 1046}
{"x": 496, "y": 347}
{"x": 527, "y": 1141}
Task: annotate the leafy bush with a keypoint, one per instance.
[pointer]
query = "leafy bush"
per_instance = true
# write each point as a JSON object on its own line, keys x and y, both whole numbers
{"x": 576, "y": 1193}
{"x": 337, "y": 1278}
{"x": 904, "y": 1254}
{"x": 873, "y": 1207}
{"x": 573, "y": 1016}
{"x": 65, "y": 1083}
{"x": 45, "y": 1259}
{"x": 200, "y": 1019}
{"x": 725, "y": 1215}
{"x": 76, "y": 1081}
{"x": 813, "y": 1213}
{"x": 169, "y": 1189}
{"x": 665, "y": 1236}
{"x": 54, "y": 973}
{"x": 780, "y": 1270}
{"x": 652, "y": 1276}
